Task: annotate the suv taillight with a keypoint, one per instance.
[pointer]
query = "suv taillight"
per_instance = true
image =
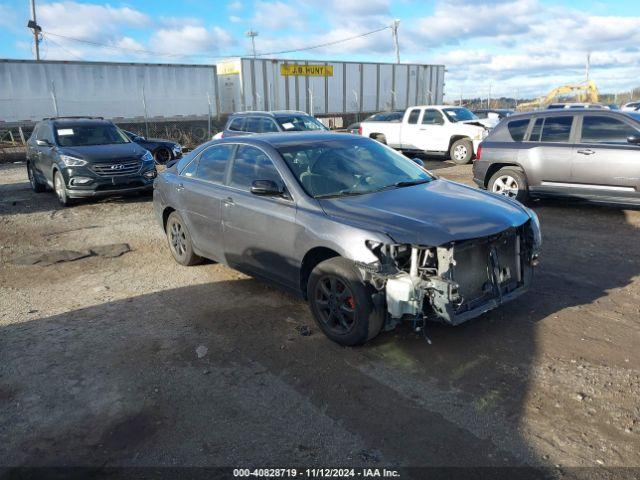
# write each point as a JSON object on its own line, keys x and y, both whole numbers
{"x": 478, "y": 153}
{"x": 360, "y": 130}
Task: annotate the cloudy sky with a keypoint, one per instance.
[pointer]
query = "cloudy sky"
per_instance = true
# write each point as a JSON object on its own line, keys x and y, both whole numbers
{"x": 521, "y": 47}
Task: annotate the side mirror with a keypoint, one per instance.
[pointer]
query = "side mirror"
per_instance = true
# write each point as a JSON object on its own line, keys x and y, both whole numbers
{"x": 265, "y": 188}
{"x": 43, "y": 143}
{"x": 139, "y": 138}
{"x": 634, "y": 139}
{"x": 418, "y": 161}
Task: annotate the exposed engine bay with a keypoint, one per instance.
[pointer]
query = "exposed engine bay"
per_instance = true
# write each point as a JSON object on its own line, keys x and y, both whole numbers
{"x": 453, "y": 282}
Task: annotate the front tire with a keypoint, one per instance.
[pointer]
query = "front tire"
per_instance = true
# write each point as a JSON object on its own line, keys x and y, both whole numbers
{"x": 510, "y": 182}
{"x": 180, "y": 241}
{"x": 341, "y": 303}
{"x": 60, "y": 189}
{"x": 36, "y": 186}
{"x": 461, "y": 151}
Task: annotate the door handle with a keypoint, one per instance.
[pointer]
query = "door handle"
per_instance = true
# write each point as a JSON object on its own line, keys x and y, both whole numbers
{"x": 179, "y": 187}
{"x": 228, "y": 201}
{"x": 587, "y": 151}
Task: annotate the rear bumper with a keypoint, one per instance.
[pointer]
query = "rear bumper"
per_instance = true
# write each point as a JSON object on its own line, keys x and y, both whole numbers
{"x": 480, "y": 172}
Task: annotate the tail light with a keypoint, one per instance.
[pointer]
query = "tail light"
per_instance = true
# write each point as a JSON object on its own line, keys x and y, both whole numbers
{"x": 479, "y": 153}
{"x": 359, "y": 130}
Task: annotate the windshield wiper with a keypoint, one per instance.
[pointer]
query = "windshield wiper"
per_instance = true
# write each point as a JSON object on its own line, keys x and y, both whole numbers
{"x": 343, "y": 193}
{"x": 410, "y": 183}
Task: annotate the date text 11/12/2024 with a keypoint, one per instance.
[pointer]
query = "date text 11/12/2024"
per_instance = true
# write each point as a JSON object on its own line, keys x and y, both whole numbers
{"x": 316, "y": 473}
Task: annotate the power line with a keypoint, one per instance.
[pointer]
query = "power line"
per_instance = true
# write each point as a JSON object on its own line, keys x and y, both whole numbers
{"x": 62, "y": 48}
{"x": 324, "y": 44}
{"x": 193, "y": 55}
{"x": 115, "y": 47}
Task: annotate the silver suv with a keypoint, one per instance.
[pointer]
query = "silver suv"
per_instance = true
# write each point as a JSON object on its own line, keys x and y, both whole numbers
{"x": 589, "y": 155}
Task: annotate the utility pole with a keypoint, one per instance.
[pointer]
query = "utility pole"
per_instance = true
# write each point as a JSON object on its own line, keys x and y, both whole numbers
{"x": 489, "y": 97}
{"x": 394, "y": 28}
{"x": 588, "y": 66}
{"x": 33, "y": 25}
{"x": 253, "y": 34}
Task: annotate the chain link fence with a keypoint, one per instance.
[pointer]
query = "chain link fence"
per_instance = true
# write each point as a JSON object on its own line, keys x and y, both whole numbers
{"x": 189, "y": 132}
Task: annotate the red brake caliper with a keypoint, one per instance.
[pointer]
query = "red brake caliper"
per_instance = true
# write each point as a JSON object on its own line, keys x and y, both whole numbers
{"x": 351, "y": 302}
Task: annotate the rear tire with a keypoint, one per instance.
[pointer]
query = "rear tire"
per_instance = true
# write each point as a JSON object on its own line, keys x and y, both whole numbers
{"x": 162, "y": 155}
{"x": 510, "y": 182}
{"x": 341, "y": 303}
{"x": 380, "y": 138}
{"x": 36, "y": 186}
{"x": 461, "y": 152}
{"x": 180, "y": 241}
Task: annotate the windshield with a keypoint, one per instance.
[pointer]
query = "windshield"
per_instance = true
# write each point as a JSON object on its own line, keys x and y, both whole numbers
{"x": 459, "y": 114}
{"x": 350, "y": 166}
{"x": 300, "y": 123}
{"x": 84, "y": 135}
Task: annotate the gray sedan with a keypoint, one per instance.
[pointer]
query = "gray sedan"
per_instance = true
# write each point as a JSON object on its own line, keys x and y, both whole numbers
{"x": 368, "y": 237}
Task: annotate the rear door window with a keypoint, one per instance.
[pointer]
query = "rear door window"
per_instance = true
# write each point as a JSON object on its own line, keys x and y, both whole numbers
{"x": 212, "y": 163}
{"x": 432, "y": 117}
{"x": 413, "y": 116}
{"x": 250, "y": 164}
{"x": 556, "y": 129}
{"x": 534, "y": 136}
{"x": 236, "y": 124}
{"x": 517, "y": 129}
{"x": 266, "y": 125}
{"x": 603, "y": 129}
{"x": 252, "y": 125}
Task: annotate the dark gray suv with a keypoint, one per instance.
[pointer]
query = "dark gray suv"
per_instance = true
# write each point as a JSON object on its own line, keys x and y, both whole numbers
{"x": 585, "y": 154}
{"x": 82, "y": 157}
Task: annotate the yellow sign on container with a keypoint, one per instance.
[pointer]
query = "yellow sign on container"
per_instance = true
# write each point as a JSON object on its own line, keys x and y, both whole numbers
{"x": 228, "y": 67}
{"x": 287, "y": 69}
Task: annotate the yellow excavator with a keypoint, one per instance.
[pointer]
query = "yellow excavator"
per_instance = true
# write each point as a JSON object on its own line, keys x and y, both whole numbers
{"x": 583, "y": 92}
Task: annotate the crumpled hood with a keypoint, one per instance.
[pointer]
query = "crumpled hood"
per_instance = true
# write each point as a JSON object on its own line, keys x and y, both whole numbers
{"x": 475, "y": 123}
{"x": 430, "y": 214}
{"x": 105, "y": 153}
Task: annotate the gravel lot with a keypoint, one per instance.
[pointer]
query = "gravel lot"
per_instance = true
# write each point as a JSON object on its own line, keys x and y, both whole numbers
{"x": 133, "y": 360}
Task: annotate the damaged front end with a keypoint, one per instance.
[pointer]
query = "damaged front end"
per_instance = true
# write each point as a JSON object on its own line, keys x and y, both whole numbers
{"x": 456, "y": 281}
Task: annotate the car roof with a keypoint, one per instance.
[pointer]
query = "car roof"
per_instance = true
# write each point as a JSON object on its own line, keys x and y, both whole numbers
{"x": 280, "y": 139}
{"x": 272, "y": 114}
{"x": 79, "y": 121}
{"x": 567, "y": 111}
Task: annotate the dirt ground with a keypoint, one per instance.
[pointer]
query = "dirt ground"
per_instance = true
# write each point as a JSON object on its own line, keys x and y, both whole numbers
{"x": 133, "y": 360}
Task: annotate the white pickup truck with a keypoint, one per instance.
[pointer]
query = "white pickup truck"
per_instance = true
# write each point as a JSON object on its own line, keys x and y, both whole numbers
{"x": 432, "y": 129}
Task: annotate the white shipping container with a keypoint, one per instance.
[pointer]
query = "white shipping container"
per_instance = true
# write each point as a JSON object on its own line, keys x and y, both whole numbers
{"x": 348, "y": 87}
{"x": 30, "y": 90}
